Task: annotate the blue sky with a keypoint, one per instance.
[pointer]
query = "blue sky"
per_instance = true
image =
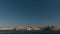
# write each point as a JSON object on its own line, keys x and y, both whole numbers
{"x": 29, "y": 12}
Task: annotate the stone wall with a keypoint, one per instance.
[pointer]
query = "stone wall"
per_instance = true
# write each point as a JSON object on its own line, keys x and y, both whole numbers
{"x": 6, "y": 28}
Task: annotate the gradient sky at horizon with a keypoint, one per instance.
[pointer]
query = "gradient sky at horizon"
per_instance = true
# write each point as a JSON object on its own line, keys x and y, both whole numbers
{"x": 29, "y": 12}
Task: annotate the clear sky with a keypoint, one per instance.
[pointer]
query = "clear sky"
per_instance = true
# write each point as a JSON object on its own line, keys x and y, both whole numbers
{"x": 29, "y": 12}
